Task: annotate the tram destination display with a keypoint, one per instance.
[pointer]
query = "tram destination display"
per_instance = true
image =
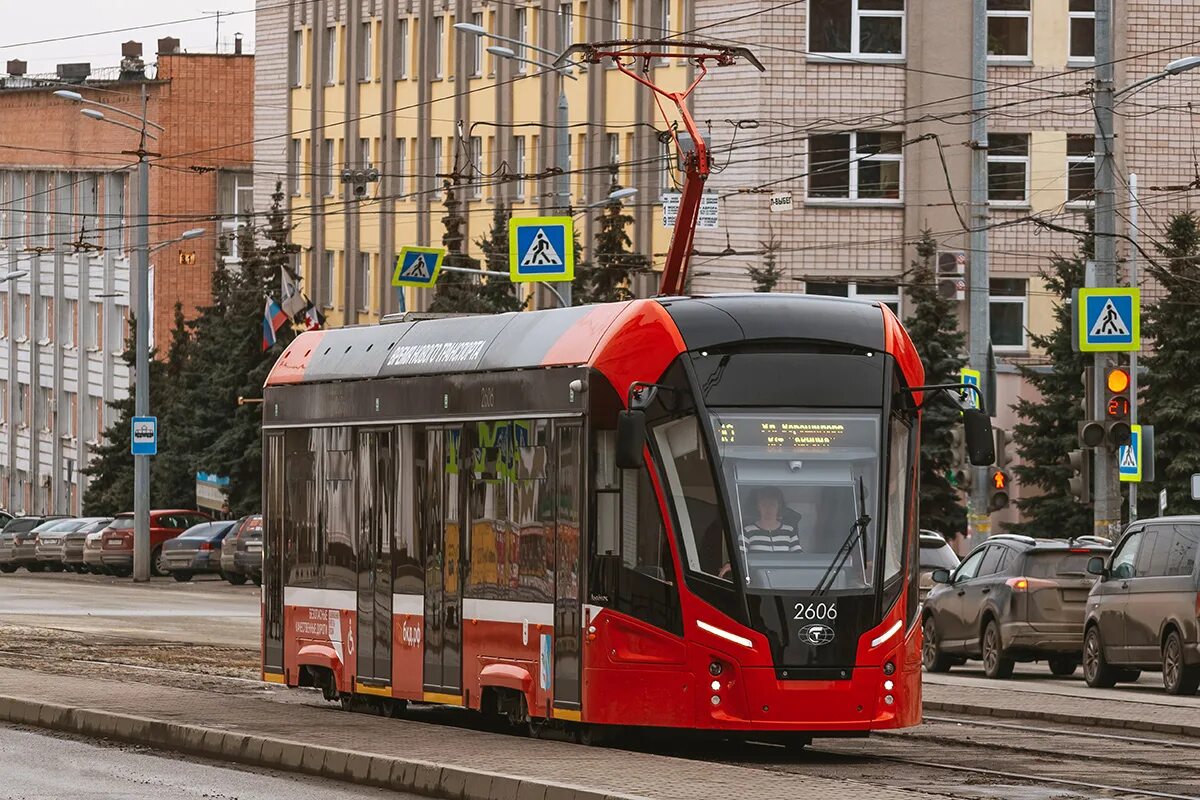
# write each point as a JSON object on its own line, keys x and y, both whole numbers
{"x": 794, "y": 434}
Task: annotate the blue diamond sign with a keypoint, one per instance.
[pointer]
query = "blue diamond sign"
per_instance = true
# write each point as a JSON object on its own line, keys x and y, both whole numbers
{"x": 418, "y": 266}
{"x": 541, "y": 249}
{"x": 1107, "y": 320}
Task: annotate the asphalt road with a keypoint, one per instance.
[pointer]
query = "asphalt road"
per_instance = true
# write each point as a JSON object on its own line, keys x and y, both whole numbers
{"x": 38, "y": 766}
{"x": 204, "y": 611}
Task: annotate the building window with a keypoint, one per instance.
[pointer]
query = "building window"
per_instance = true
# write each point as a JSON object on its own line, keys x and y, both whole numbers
{"x": 296, "y": 62}
{"x": 96, "y": 419}
{"x": 1006, "y": 311}
{"x": 1008, "y": 29}
{"x": 477, "y": 176}
{"x": 296, "y": 167}
{"x": 364, "y": 282}
{"x": 331, "y": 65}
{"x": 1083, "y": 30}
{"x": 45, "y": 319}
{"x": 613, "y": 147}
{"x": 23, "y": 405}
{"x": 400, "y": 49}
{"x": 366, "y": 53}
{"x": 886, "y": 293}
{"x": 236, "y": 200}
{"x": 41, "y": 209}
{"x": 663, "y": 18}
{"x": 666, "y": 175}
{"x": 855, "y": 166}
{"x": 70, "y": 323}
{"x": 72, "y": 401}
{"x": 614, "y": 19}
{"x": 93, "y": 328}
{"x": 399, "y": 165}
{"x": 566, "y": 25}
{"x": 3, "y": 408}
{"x": 521, "y": 33}
{"x": 21, "y": 318}
{"x": 327, "y": 280}
{"x": 435, "y": 163}
{"x": 439, "y": 34}
{"x": 1081, "y": 168}
{"x": 856, "y": 27}
{"x": 327, "y": 167}
{"x": 364, "y": 152}
{"x": 519, "y": 167}
{"x": 45, "y": 409}
{"x": 477, "y": 48}
{"x": 1008, "y": 167}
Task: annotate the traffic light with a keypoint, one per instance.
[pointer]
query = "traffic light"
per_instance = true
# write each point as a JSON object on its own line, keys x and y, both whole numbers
{"x": 997, "y": 489}
{"x": 1081, "y": 475}
{"x": 1091, "y": 431}
{"x": 960, "y": 470}
{"x": 1117, "y": 402}
{"x": 1002, "y": 455}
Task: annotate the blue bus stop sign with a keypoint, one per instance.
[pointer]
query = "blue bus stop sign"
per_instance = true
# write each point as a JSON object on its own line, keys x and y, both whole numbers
{"x": 143, "y": 439}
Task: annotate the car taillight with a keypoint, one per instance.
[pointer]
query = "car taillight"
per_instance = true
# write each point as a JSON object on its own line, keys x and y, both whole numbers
{"x": 206, "y": 545}
{"x": 1018, "y": 584}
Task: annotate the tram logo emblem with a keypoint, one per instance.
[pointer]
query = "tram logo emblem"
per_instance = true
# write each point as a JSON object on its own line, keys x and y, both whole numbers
{"x": 816, "y": 634}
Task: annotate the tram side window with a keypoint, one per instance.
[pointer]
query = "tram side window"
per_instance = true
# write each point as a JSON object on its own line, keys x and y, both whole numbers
{"x": 697, "y": 501}
{"x": 644, "y": 546}
{"x": 413, "y": 494}
{"x": 300, "y": 507}
{"x": 897, "y": 507}
{"x": 337, "y": 542}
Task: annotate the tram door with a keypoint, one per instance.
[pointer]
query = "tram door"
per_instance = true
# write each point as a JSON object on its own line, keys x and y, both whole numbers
{"x": 272, "y": 577}
{"x": 568, "y": 620}
{"x": 444, "y": 537}
{"x": 376, "y": 488}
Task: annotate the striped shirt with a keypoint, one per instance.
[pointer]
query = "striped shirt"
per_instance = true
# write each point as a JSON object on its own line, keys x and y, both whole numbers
{"x": 783, "y": 539}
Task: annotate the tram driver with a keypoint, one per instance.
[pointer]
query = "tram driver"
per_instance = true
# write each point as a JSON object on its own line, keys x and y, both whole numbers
{"x": 774, "y": 528}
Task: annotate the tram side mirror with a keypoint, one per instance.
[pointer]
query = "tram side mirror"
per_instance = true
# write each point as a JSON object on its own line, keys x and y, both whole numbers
{"x": 981, "y": 444}
{"x": 940, "y": 575}
{"x": 631, "y": 439}
{"x": 1095, "y": 566}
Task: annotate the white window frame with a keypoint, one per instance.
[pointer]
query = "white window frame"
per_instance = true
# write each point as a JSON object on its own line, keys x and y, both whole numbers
{"x": 852, "y": 192}
{"x": 1024, "y": 303}
{"x": 521, "y": 33}
{"x": 297, "y": 167}
{"x": 566, "y": 24}
{"x": 331, "y": 55}
{"x": 329, "y": 267}
{"x": 1090, "y": 160}
{"x": 855, "y": 51}
{"x": 1028, "y": 17}
{"x": 1007, "y": 159}
{"x": 614, "y": 18}
{"x": 439, "y": 36}
{"x": 329, "y": 153}
{"x": 297, "y": 58}
{"x": 401, "y": 163}
{"x": 1071, "y": 17}
{"x": 435, "y": 165}
{"x": 401, "y": 48}
{"x": 475, "y": 145}
{"x": 366, "y": 52}
{"x": 519, "y": 167}
{"x": 666, "y": 174}
{"x": 363, "y": 301}
{"x": 477, "y": 48}
{"x": 364, "y": 152}
{"x": 853, "y": 293}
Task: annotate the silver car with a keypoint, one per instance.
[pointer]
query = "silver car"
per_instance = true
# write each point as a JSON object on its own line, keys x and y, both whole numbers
{"x": 55, "y": 539}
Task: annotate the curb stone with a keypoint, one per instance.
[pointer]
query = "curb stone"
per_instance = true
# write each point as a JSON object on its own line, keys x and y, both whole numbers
{"x": 369, "y": 769}
{"x": 1064, "y": 719}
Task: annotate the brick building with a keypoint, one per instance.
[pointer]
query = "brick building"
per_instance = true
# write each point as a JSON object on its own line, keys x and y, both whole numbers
{"x": 66, "y": 210}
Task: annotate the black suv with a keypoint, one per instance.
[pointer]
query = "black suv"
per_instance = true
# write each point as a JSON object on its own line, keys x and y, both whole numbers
{"x": 1013, "y": 598}
{"x": 1144, "y": 612}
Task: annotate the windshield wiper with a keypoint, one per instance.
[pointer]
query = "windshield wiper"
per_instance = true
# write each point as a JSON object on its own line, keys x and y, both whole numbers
{"x": 857, "y": 529}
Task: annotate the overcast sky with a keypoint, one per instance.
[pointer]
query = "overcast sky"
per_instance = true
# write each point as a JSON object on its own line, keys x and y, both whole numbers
{"x": 25, "y": 25}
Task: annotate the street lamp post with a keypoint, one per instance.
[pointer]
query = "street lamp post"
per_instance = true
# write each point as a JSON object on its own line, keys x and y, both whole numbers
{"x": 1107, "y": 502}
{"x": 562, "y": 146}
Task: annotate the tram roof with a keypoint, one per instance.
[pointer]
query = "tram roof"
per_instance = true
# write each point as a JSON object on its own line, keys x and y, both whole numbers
{"x": 567, "y": 336}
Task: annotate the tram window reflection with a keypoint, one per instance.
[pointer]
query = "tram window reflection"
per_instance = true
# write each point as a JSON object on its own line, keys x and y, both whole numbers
{"x": 697, "y": 502}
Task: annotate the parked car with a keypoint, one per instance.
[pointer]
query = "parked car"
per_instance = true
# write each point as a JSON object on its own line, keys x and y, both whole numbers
{"x": 192, "y": 552}
{"x": 935, "y": 553}
{"x": 75, "y": 542}
{"x": 116, "y": 543}
{"x": 248, "y": 557}
{"x": 1013, "y": 598}
{"x": 93, "y": 554}
{"x": 4, "y": 518}
{"x": 18, "y": 543}
{"x": 230, "y": 570}
{"x": 1144, "y": 611}
{"x": 52, "y": 540}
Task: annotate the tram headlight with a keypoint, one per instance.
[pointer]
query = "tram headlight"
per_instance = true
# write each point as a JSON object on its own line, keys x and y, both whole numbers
{"x": 716, "y": 701}
{"x": 888, "y": 699}
{"x": 715, "y": 668}
{"x": 889, "y": 668}
{"x": 888, "y": 686}
{"x": 716, "y": 686}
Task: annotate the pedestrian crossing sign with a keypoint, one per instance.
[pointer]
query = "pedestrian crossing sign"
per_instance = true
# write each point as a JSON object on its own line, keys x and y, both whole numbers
{"x": 418, "y": 266}
{"x": 541, "y": 249}
{"x": 1129, "y": 457}
{"x": 1108, "y": 320}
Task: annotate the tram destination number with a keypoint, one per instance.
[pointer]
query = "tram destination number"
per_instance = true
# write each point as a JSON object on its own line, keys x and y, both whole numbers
{"x": 816, "y": 612}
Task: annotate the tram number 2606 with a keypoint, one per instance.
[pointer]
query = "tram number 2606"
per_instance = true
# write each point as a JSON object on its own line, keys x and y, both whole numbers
{"x": 816, "y": 611}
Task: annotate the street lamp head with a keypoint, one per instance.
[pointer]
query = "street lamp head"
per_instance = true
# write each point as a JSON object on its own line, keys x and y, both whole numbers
{"x": 621, "y": 194}
{"x": 14, "y": 275}
{"x": 67, "y": 94}
{"x": 502, "y": 52}
{"x": 1183, "y": 65}
{"x": 92, "y": 113}
{"x": 467, "y": 27}
{"x": 194, "y": 233}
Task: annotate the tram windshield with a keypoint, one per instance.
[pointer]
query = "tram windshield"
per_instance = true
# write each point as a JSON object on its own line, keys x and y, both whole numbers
{"x": 804, "y": 495}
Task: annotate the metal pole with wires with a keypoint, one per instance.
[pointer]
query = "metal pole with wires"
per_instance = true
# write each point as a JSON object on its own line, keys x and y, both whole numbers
{"x": 1133, "y": 356}
{"x": 980, "y": 327}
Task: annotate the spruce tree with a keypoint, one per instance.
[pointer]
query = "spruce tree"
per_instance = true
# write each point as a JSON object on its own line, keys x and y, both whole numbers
{"x": 1169, "y": 393}
{"x": 499, "y": 293}
{"x": 933, "y": 326}
{"x": 457, "y": 292}
{"x": 1049, "y": 418}
{"x": 607, "y": 277}
{"x": 767, "y": 276}
{"x": 173, "y": 470}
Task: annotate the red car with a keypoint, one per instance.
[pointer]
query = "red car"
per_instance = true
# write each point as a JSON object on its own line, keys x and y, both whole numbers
{"x": 116, "y": 543}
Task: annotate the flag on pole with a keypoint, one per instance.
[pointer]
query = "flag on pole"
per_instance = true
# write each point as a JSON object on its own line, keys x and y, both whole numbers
{"x": 314, "y": 320}
{"x": 268, "y": 326}
{"x": 290, "y": 299}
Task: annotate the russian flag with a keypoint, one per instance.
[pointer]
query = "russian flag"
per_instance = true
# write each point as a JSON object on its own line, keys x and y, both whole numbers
{"x": 273, "y": 319}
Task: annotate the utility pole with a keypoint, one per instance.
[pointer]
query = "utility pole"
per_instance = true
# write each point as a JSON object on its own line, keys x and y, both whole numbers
{"x": 562, "y": 183}
{"x": 1107, "y": 502}
{"x": 1133, "y": 356}
{"x": 141, "y": 346}
{"x": 980, "y": 331}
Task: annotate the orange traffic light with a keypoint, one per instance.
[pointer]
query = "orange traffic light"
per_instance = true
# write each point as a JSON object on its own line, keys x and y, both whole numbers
{"x": 1117, "y": 380}
{"x": 999, "y": 481}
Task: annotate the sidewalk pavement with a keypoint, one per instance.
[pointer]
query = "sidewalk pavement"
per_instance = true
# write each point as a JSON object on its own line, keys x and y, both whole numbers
{"x": 432, "y": 760}
{"x": 1066, "y": 702}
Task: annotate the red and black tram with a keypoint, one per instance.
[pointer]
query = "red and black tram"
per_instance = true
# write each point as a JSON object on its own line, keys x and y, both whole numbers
{"x": 681, "y": 512}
